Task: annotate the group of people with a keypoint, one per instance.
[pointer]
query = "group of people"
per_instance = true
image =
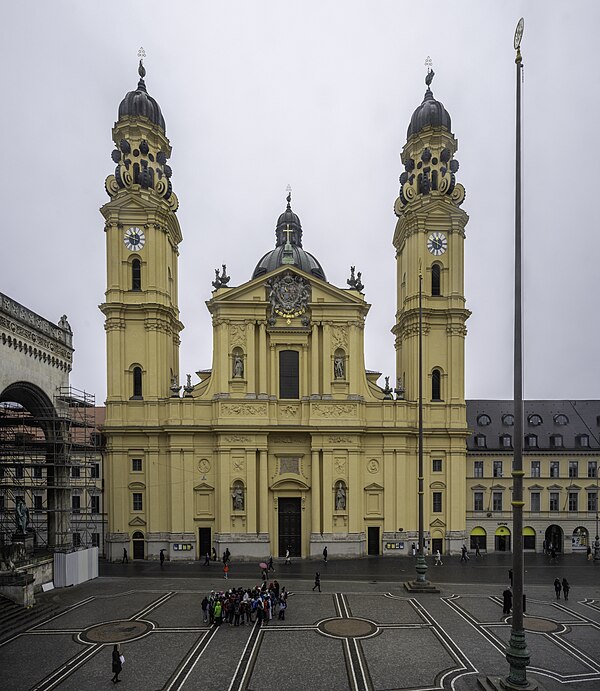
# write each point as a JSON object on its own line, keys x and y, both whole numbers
{"x": 245, "y": 606}
{"x": 564, "y": 586}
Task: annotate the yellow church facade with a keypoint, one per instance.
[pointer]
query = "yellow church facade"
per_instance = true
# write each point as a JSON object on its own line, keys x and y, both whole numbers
{"x": 287, "y": 442}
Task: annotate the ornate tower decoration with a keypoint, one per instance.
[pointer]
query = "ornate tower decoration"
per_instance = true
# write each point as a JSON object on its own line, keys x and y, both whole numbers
{"x": 142, "y": 147}
{"x": 430, "y": 234}
{"x": 142, "y": 246}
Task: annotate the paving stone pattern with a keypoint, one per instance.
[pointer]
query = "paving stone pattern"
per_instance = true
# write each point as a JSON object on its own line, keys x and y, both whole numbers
{"x": 334, "y": 641}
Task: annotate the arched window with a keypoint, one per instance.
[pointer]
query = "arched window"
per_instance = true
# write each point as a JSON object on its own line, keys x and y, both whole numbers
{"x": 136, "y": 274}
{"x": 436, "y": 279}
{"x": 436, "y": 385}
{"x": 289, "y": 374}
{"x": 137, "y": 382}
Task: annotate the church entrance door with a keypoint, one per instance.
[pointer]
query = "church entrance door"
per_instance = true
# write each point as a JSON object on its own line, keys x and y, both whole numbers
{"x": 290, "y": 527}
{"x": 205, "y": 542}
{"x": 373, "y": 541}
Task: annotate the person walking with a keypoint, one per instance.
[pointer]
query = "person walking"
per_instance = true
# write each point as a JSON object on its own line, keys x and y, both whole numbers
{"x": 226, "y": 571}
{"x": 438, "y": 558}
{"x": 477, "y": 552}
{"x": 117, "y": 664}
{"x": 317, "y": 581}
{"x": 288, "y": 558}
{"x": 557, "y": 588}
{"x": 325, "y": 554}
{"x": 463, "y": 553}
{"x": 125, "y": 560}
{"x": 413, "y": 549}
{"x": 507, "y": 601}
{"x": 162, "y": 557}
{"x": 207, "y": 559}
{"x": 270, "y": 566}
{"x": 566, "y": 587}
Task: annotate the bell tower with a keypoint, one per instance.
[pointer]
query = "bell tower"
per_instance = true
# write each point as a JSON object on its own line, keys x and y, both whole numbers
{"x": 429, "y": 241}
{"x": 142, "y": 239}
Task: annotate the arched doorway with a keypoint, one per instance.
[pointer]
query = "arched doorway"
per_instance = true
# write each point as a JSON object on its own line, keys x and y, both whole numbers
{"x": 138, "y": 545}
{"x": 554, "y": 538}
{"x": 478, "y": 538}
{"x": 580, "y": 539}
{"x": 502, "y": 539}
{"x": 529, "y": 538}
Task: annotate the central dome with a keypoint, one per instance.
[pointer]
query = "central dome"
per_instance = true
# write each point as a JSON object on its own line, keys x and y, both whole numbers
{"x": 288, "y": 248}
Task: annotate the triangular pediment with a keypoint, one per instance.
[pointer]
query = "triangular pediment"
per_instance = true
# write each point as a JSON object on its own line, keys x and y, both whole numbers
{"x": 437, "y": 524}
{"x": 137, "y": 521}
{"x": 254, "y": 290}
{"x": 480, "y": 487}
{"x": 535, "y": 488}
{"x": 202, "y": 486}
{"x": 555, "y": 487}
{"x": 374, "y": 487}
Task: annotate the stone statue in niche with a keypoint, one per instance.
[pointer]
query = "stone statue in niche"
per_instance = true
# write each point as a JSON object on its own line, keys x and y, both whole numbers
{"x": 21, "y": 516}
{"x": 238, "y": 367}
{"x": 340, "y": 497}
{"x": 338, "y": 367}
{"x": 238, "y": 497}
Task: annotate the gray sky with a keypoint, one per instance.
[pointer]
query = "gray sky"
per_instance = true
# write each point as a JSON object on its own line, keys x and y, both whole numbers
{"x": 317, "y": 94}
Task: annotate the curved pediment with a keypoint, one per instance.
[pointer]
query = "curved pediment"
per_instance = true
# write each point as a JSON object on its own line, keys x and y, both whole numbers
{"x": 136, "y": 485}
{"x": 289, "y": 483}
{"x": 437, "y": 485}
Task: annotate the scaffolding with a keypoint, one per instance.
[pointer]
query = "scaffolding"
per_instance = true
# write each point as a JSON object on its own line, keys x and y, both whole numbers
{"x": 52, "y": 461}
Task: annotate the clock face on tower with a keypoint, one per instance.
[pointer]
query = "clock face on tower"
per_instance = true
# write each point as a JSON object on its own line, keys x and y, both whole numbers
{"x": 437, "y": 244}
{"x": 134, "y": 239}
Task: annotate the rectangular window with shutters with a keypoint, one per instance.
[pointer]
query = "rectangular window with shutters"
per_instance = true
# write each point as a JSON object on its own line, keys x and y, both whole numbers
{"x": 289, "y": 374}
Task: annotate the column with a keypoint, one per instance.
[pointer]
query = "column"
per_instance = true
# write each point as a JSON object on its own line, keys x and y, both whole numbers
{"x": 315, "y": 492}
{"x": 262, "y": 358}
{"x": 263, "y": 493}
{"x": 250, "y": 365}
{"x": 314, "y": 361}
{"x": 273, "y": 390}
{"x": 251, "y": 493}
{"x": 327, "y": 492}
{"x": 224, "y": 360}
{"x": 327, "y": 362}
{"x": 304, "y": 388}
{"x": 390, "y": 492}
{"x": 354, "y": 498}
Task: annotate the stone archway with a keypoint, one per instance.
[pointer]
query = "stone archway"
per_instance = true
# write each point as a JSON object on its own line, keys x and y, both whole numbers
{"x": 554, "y": 538}
{"x": 36, "y": 413}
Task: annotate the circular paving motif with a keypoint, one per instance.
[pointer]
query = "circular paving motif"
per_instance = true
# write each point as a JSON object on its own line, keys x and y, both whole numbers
{"x": 116, "y": 631}
{"x": 539, "y": 625}
{"x": 348, "y": 628}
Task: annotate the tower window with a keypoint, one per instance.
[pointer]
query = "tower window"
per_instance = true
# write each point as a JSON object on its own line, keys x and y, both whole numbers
{"x": 289, "y": 374}
{"x": 436, "y": 385}
{"x": 137, "y": 382}
{"x": 436, "y": 279}
{"x": 136, "y": 274}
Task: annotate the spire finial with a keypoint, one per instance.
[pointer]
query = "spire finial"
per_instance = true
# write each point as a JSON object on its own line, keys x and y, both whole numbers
{"x": 288, "y": 189}
{"x": 141, "y": 55}
{"x": 430, "y": 73}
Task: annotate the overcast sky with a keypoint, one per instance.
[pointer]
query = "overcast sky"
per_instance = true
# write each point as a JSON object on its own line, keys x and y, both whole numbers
{"x": 317, "y": 94}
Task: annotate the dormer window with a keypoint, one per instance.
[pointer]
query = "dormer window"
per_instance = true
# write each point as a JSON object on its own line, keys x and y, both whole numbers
{"x": 534, "y": 420}
{"x": 508, "y": 420}
{"x": 531, "y": 441}
{"x": 561, "y": 419}
{"x": 556, "y": 440}
{"x": 583, "y": 441}
{"x": 480, "y": 441}
{"x": 484, "y": 420}
{"x": 506, "y": 440}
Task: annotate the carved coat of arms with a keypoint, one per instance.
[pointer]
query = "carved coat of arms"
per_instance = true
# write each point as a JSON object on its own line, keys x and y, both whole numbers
{"x": 288, "y": 296}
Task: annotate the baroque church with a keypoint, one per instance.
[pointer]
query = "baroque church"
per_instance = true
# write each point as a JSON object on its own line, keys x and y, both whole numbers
{"x": 287, "y": 442}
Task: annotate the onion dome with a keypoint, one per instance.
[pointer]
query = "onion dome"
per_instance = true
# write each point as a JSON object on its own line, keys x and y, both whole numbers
{"x": 430, "y": 112}
{"x": 288, "y": 248}
{"x": 139, "y": 102}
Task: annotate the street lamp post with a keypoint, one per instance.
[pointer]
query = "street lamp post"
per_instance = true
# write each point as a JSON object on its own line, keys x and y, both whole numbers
{"x": 517, "y": 654}
{"x": 597, "y": 540}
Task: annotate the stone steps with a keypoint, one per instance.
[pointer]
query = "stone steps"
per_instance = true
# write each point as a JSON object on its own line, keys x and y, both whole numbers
{"x": 15, "y": 619}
